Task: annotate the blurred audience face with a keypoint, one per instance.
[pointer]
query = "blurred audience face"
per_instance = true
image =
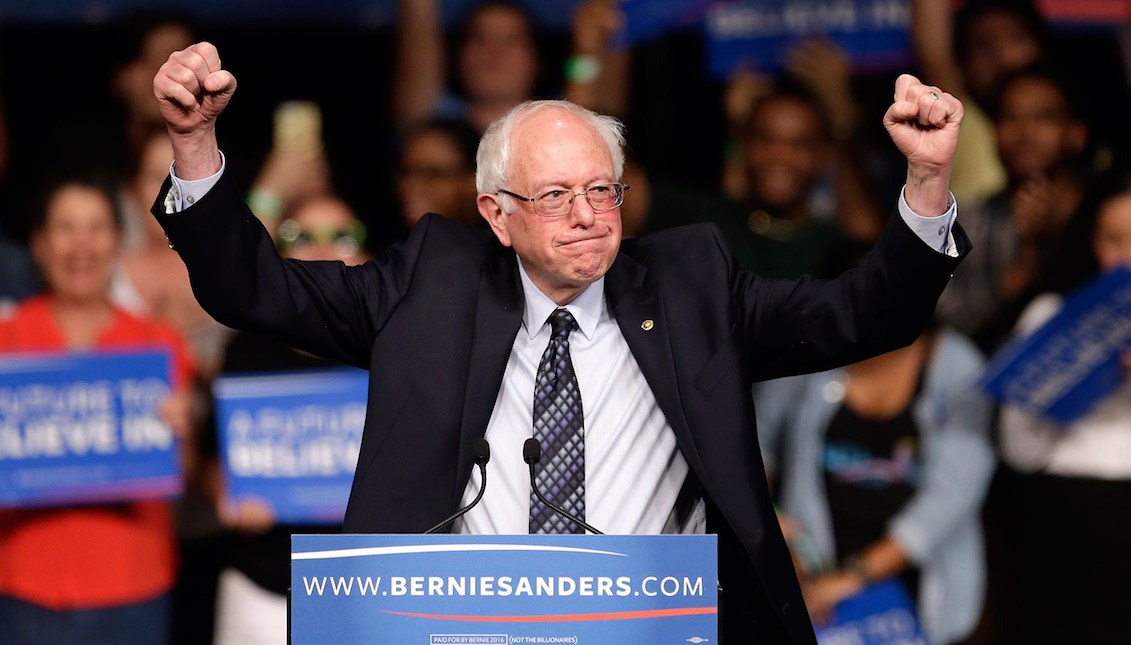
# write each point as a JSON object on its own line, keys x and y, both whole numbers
{"x": 134, "y": 82}
{"x": 1112, "y": 239}
{"x": 785, "y": 151}
{"x": 1035, "y": 130}
{"x": 998, "y": 42}
{"x": 77, "y": 245}
{"x": 323, "y": 228}
{"x": 498, "y": 61}
{"x": 435, "y": 178}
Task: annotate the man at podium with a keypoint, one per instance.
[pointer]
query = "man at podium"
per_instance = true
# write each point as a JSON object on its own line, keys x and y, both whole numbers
{"x": 630, "y": 361}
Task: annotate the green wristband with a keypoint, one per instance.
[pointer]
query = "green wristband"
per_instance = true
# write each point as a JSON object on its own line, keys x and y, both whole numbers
{"x": 582, "y": 69}
{"x": 265, "y": 204}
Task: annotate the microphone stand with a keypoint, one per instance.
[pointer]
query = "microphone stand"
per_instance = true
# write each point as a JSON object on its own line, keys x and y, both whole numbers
{"x": 532, "y": 454}
{"x": 482, "y": 456}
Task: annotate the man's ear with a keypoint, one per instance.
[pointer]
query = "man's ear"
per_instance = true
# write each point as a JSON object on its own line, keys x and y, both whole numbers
{"x": 492, "y": 210}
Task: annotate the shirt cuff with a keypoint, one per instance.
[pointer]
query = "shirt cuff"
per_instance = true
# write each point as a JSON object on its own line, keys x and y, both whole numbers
{"x": 934, "y": 231}
{"x": 183, "y": 194}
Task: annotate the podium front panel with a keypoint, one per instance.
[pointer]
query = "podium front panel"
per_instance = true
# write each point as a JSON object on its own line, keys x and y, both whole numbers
{"x": 447, "y": 589}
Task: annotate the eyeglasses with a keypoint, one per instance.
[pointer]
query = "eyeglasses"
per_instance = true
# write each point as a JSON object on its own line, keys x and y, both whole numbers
{"x": 558, "y": 201}
{"x": 346, "y": 241}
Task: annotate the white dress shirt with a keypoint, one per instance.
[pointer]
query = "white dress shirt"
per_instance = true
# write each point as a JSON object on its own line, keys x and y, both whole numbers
{"x": 633, "y": 469}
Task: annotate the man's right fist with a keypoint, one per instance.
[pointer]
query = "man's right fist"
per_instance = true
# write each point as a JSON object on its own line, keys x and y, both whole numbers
{"x": 192, "y": 89}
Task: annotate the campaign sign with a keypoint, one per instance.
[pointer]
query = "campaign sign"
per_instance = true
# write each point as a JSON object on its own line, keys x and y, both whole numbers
{"x": 759, "y": 33}
{"x": 1093, "y": 13}
{"x": 432, "y": 589}
{"x": 1065, "y": 367}
{"x": 78, "y": 428}
{"x": 881, "y": 614}
{"x": 646, "y": 19}
{"x": 290, "y": 440}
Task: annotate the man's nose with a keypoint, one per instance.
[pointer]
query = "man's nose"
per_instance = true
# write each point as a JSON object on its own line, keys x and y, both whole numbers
{"x": 581, "y": 212}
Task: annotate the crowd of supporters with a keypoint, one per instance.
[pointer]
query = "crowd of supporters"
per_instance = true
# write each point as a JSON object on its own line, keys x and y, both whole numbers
{"x": 1003, "y": 527}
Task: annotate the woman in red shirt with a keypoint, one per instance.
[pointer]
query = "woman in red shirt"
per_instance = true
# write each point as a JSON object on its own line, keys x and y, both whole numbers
{"x": 96, "y": 574}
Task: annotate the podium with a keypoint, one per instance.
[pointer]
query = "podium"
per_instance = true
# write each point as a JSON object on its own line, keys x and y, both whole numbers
{"x": 483, "y": 589}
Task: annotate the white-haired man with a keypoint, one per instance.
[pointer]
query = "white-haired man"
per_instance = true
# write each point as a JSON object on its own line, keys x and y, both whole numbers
{"x": 651, "y": 344}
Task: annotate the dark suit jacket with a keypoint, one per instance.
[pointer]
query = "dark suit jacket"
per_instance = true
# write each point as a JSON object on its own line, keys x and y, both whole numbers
{"x": 434, "y": 319}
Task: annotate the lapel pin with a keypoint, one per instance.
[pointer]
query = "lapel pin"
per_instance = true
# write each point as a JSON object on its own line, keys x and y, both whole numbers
{"x": 647, "y": 325}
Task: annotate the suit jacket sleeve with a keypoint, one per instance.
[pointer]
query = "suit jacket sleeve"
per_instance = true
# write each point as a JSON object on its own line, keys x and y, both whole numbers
{"x": 810, "y": 325}
{"x": 239, "y": 278}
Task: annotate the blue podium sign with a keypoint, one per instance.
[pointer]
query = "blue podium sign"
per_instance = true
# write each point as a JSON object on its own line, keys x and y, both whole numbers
{"x": 429, "y": 589}
{"x": 291, "y": 440}
{"x": 77, "y": 428}
{"x": 1061, "y": 370}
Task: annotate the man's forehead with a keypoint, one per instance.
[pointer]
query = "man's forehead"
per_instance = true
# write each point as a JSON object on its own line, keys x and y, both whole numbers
{"x": 547, "y": 121}
{"x": 540, "y": 143}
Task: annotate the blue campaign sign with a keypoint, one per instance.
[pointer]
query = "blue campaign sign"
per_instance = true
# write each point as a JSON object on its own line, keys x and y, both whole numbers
{"x": 291, "y": 440}
{"x": 1065, "y": 367}
{"x": 646, "y": 19}
{"x": 365, "y": 13}
{"x": 78, "y": 428}
{"x": 758, "y": 34}
{"x": 881, "y": 614}
{"x": 429, "y": 589}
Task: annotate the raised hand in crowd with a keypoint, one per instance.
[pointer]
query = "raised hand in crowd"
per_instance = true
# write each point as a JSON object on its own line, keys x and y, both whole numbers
{"x": 823, "y": 68}
{"x": 290, "y": 175}
{"x": 597, "y": 72}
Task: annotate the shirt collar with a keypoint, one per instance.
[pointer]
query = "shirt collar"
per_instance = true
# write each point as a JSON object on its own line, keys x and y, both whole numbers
{"x": 586, "y": 308}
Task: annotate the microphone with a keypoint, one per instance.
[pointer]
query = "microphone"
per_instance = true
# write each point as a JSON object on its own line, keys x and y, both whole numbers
{"x": 482, "y": 456}
{"x": 532, "y": 454}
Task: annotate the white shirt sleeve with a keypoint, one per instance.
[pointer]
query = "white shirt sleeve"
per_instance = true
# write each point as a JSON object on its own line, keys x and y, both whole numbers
{"x": 183, "y": 194}
{"x": 934, "y": 231}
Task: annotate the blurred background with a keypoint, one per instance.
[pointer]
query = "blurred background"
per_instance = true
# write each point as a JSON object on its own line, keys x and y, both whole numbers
{"x": 354, "y": 117}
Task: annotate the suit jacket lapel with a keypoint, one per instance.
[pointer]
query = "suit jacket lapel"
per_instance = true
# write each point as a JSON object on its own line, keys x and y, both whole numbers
{"x": 498, "y": 316}
{"x": 639, "y": 308}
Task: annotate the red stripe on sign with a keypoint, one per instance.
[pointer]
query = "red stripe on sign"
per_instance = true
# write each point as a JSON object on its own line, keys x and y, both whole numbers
{"x": 1086, "y": 10}
{"x": 568, "y": 618}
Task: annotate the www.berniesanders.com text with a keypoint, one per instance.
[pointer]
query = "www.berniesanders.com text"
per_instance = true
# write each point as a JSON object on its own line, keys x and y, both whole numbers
{"x": 504, "y": 586}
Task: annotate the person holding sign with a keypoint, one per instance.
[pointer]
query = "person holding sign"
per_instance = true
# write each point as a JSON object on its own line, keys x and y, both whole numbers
{"x": 1073, "y": 483}
{"x": 251, "y": 595}
{"x": 653, "y": 342}
{"x": 98, "y": 573}
{"x": 883, "y": 467}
